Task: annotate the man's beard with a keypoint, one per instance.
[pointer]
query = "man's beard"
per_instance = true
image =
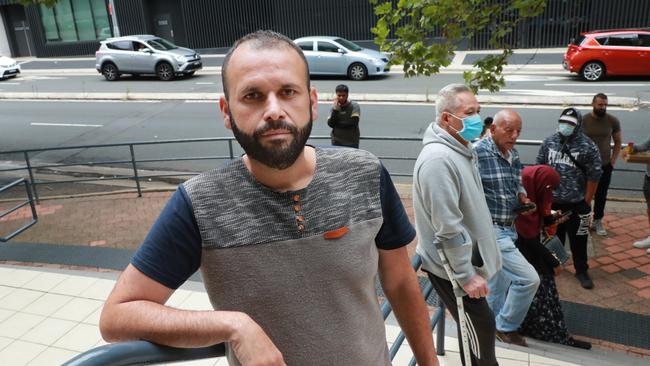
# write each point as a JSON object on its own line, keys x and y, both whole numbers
{"x": 600, "y": 112}
{"x": 281, "y": 154}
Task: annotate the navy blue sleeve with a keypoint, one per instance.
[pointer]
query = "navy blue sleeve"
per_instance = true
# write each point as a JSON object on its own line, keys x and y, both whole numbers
{"x": 396, "y": 231}
{"x": 171, "y": 252}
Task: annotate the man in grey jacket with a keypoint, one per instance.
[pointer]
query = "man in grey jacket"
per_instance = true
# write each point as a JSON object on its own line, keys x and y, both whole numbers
{"x": 451, "y": 213}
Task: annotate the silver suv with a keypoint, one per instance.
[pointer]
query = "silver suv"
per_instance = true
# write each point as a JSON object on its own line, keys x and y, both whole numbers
{"x": 145, "y": 54}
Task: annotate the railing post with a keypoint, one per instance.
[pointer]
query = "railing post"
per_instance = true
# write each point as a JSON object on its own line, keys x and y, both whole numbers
{"x": 135, "y": 170}
{"x": 232, "y": 154}
{"x": 32, "y": 182}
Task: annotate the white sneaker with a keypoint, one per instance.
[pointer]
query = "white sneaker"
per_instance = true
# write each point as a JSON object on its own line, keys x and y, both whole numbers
{"x": 642, "y": 244}
{"x": 648, "y": 251}
{"x": 597, "y": 225}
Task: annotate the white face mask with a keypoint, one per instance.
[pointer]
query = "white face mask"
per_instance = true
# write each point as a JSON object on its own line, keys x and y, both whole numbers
{"x": 566, "y": 129}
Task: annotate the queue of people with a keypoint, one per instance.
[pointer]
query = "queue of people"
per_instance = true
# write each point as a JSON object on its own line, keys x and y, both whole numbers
{"x": 288, "y": 220}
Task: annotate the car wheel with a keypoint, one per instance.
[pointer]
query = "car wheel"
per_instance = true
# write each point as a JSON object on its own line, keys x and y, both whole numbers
{"x": 593, "y": 71}
{"x": 110, "y": 71}
{"x": 357, "y": 71}
{"x": 164, "y": 71}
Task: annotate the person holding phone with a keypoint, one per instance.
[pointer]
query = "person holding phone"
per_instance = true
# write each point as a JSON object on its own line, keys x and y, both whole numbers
{"x": 344, "y": 119}
{"x": 545, "y": 319}
{"x": 513, "y": 287}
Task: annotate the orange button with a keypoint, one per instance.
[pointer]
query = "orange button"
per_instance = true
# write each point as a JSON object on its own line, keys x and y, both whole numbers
{"x": 301, "y": 227}
{"x": 296, "y": 197}
{"x": 296, "y": 208}
{"x": 300, "y": 218}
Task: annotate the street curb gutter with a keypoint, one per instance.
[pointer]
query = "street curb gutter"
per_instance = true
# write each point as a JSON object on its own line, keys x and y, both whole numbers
{"x": 625, "y": 102}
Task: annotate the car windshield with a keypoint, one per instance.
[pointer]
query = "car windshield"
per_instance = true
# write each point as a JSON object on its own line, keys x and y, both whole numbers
{"x": 161, "y": 44}
{"x": 347, "y": 44}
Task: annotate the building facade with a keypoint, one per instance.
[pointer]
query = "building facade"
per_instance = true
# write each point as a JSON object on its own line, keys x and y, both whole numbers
{"x": 75, "y": 27}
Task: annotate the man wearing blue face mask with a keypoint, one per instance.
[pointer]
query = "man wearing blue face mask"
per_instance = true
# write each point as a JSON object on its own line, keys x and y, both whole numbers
{"x": 453, "y": 220}
{"x": 576, "y": 157}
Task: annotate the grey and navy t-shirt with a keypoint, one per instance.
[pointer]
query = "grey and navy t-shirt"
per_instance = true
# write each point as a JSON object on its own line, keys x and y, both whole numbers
{"x": 302, "y": 264}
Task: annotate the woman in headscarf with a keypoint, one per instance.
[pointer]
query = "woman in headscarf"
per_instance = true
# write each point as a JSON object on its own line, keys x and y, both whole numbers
{"x": 545, "y": 320}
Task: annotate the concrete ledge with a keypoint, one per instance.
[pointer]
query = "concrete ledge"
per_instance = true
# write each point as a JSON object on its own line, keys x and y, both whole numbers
{"x": 625, "y": 102}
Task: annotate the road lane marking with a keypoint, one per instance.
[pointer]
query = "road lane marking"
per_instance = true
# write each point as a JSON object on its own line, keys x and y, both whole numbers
{"x": 80, "y": 100}
{"x": 205, "y": 83}
{"x": 600, "y": 85}
{"x": 64, "y": 124}
{"x": 547, "y": 93}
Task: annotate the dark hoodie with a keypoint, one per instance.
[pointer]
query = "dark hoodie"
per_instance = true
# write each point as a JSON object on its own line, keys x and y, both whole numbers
{"x": 573, "y": 181}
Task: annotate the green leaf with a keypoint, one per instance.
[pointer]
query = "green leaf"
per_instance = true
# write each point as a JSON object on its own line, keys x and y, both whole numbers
{"x": 413, "y": 22}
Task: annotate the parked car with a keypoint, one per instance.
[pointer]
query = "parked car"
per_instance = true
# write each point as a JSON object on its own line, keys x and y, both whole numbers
{"x": 9, "y": 68}
{"x": 594, "y": 55}
{"x": 338, "y": 56}
{"x": 145, "y": 54}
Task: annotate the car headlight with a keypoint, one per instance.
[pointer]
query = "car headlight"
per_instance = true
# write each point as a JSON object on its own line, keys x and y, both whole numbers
{"x": 180, "y": 58}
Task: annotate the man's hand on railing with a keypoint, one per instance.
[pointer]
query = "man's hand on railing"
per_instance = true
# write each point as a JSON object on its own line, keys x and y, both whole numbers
{"x": 252, "y": 345}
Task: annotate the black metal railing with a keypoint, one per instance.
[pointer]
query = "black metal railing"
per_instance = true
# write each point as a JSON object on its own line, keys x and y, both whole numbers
{"x": 138, "y": 174}
{"x": 29, "y": 201}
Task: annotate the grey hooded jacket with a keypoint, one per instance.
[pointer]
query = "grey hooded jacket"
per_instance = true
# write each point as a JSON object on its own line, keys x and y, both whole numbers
{"x": 450, "y": 209}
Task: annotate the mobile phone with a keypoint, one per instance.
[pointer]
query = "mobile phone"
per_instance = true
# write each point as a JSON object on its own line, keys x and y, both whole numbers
{"x": 523, "y": 208}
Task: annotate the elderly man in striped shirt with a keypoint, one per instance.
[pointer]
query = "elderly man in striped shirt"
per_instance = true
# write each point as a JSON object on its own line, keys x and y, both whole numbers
{"x": 513, "y": 288}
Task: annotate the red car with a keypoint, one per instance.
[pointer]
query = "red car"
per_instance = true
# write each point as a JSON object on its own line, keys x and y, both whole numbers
{"x": 594, "y": 55}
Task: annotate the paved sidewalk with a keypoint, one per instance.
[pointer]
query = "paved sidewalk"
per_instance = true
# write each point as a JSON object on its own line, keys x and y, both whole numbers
{"x": 621, "y": 273}
{"x": 49, "y": 316}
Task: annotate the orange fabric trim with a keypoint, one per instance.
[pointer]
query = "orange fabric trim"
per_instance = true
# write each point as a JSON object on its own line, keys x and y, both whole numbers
{"x": 335, "y": 234}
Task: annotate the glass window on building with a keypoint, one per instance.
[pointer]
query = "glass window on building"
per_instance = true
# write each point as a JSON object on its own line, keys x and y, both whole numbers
{"x": 75, "y": 20}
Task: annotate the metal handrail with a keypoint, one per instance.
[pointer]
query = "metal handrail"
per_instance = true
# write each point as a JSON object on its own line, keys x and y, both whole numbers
{"x": 437, "y": 320}
{"x": 133, "y": 162}
{"x": 142, "y": 353}
{"x": 29, "y": 201}
{"x": 147, "y": 353}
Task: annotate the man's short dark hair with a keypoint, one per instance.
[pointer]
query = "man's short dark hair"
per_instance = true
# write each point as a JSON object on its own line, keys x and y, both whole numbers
{"x": 262, "y": 39}
{"x": 342, "y": 88}
{"x": 599, "y": 96}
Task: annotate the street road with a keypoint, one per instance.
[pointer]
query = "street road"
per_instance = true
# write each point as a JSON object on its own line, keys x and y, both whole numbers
{"x": 38, "y": 124}
{"x": 535, "y": 85}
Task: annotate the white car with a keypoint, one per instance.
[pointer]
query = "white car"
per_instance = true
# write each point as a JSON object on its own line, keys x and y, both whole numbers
{"x": 9, "y": 68}
{"x": 338, "y": 56}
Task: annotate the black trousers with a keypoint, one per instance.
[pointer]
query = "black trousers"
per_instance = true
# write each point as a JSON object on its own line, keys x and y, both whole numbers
{"x": 577, "y": 229}
{"x": 480, "y": 315}
{"x": 601, "y": 192}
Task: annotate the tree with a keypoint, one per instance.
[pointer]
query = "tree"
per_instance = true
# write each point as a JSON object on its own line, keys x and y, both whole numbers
{"x": 413, "y": 22}
{"x": 48, "y": 3}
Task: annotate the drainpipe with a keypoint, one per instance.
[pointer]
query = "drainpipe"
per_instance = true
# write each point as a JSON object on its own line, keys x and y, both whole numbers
{"x": 111, "y": 10}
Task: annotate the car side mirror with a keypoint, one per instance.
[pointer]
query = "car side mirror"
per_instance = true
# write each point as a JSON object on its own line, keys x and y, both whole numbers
{"x": 342, "y": 51}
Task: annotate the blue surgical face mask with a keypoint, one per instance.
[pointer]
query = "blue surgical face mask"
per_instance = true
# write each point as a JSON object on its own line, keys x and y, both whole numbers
{"x": 566, "y": 129}
{"x": 472, "y": 127}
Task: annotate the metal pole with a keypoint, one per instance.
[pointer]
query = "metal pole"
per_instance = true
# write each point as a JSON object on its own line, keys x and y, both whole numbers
{"x": 135, "y": 171}
{"x": 32, "y": 182}
{"x": 232, "y": 155}
{"x": 111, "y": 8}
{"x": 440, "y": 330}
{"x": 462, "y": 315}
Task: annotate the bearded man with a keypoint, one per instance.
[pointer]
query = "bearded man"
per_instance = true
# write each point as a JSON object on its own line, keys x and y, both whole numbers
{"x": 289, "y": 238}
